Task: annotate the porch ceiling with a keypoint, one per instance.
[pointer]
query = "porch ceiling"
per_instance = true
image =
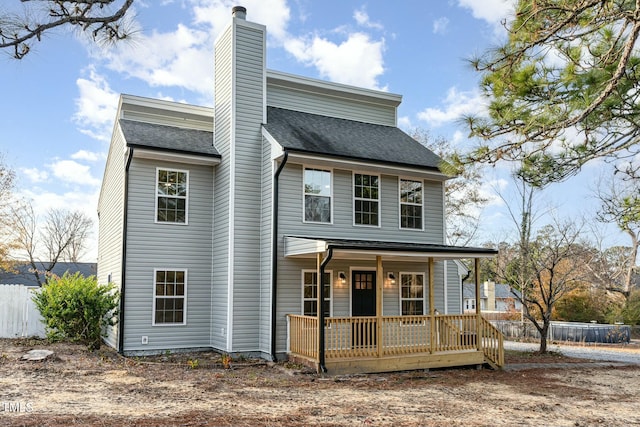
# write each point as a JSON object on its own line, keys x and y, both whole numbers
{"x": 308, "y": 247}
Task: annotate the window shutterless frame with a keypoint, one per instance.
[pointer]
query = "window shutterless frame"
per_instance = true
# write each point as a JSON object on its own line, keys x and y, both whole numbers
{"x": 317, "y": 191}
{"x": 410, "y": 290}
{"x": 171, "y": 196}
{"x": 310, "y": 284}
{"x": 169, "y": 297}
{"x": 366, "y": 199}
{"x": 411, "y": 204}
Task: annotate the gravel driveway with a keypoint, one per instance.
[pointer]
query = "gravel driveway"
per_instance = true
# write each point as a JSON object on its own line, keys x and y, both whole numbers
{"x": 610, "y": 354}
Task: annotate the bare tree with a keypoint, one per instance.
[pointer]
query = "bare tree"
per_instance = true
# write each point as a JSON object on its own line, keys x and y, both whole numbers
{"x": 104, "y": 20}
{"x": 619, "y": 198}
{"x": 63, "y": 236}
{"x": 7, "y": 177}
{"x": 557, "y": 265}
{"x": 464, "y": 200}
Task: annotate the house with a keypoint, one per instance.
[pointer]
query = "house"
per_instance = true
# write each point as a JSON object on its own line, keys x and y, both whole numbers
{"x": 22, "y": 273}
{"x": 498, "y": 301}
{"x": 292, "y": 219}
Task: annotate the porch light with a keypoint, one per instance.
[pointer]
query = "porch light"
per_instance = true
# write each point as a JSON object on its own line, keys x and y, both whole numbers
{"x": 342, "y": 277}
{"x": 392, "y": 278}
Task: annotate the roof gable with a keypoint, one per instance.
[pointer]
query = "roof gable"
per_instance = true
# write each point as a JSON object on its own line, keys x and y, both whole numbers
{"x": 330, "y": 136}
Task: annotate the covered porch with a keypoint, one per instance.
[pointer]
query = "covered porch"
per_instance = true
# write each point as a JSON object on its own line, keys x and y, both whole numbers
{"x": 372, "y": 342}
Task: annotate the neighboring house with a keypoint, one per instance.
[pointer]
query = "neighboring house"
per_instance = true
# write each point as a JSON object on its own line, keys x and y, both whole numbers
{"x": 497, "y": 300}
{"x": 220, "y": 225}
{"x": 22, "y": 273}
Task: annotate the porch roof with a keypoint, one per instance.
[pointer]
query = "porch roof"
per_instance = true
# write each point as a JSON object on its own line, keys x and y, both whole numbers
{"x": 306, "y": 247}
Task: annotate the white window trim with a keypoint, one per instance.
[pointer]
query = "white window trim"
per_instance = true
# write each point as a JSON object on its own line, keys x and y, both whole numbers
{"x": 400, "y": 203}
{"x": 156, "y": 195}
{"x": 353, "y": 201}
{"x": 304, "y": 194}
{"x": 424, "y": 291}
{"x": 155, "y": 297}
{"x": 303, "y": 299}
{"x": 471, "y": 302}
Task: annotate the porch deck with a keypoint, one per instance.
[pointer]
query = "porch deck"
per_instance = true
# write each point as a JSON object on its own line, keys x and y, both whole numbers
{"x": 395, "y": 343}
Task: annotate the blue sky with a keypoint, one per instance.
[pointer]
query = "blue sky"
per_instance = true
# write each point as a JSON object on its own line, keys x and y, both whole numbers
{"x": 60, "y": 101}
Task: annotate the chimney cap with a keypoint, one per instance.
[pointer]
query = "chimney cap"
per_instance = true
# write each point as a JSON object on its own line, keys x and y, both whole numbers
{"x": 239, "y": 12}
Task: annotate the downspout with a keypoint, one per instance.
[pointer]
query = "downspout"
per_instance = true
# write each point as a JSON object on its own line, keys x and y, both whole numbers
{"x": 123, "y": 264}
{"x": 274, "y": 256}
{"x": 323, "y": 264}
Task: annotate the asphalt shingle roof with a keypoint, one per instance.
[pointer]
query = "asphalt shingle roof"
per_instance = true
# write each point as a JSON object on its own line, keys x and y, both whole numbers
{"x": 168, "y": 138}
{"x": 312, "y": 133}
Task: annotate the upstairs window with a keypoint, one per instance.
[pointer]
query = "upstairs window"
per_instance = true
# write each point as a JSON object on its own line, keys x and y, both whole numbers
{"x": 411, "y": 204}
{"x": 412, "y": 294}
{"x": 310, "y": 293}
{"x": 366, "y": 203}
{"x": 171, "y": 196}
{"x": 317, "y": 195}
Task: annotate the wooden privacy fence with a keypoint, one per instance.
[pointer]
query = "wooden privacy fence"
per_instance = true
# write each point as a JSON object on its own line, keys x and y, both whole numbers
{"x": 19, "y": 316}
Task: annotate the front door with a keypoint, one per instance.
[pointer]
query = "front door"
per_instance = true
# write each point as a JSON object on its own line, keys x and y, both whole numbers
{"x": 363, "y": 293}
{"x": 363, "y": 303}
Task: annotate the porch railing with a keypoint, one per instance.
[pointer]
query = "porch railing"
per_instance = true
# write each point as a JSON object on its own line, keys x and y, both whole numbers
{"x": 357, "y": 337}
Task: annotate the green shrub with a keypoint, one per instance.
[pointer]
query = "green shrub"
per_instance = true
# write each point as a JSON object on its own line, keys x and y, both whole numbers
{"x": 77, "y": 309}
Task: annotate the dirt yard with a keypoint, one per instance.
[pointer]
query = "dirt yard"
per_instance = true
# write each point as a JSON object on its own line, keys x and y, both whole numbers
{"x": 80, "y": 388}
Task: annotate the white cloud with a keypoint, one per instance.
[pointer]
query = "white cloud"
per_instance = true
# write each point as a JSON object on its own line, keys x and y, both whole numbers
{"x": 35, "y": 175}
{"x": 88, "y": 156}
{"x": 70, "y": 171}
{"x": 182, "y": 58}
{"x": 440, "y": 25}
{"x": 362, "y": 18}
{"x": 404, "y": 122}
{"x": 491, "y": 190}
{"x": 457, "y": 138}
{"x": 456, "y": 105}
{"x": 96, "y": 106}
{"x": 357, "y": 60}
{"x": 492, "y": 11}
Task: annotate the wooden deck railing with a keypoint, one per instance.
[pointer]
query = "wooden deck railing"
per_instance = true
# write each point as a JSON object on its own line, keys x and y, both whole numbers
{"x": 357, "y": 337}
{"x": 303, "y": 335}
{"x": 492, "y": 343}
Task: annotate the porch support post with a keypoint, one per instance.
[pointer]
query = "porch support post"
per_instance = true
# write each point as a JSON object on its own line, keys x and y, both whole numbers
{"x": 319, "y": 307}
{"x": 478, "y": 299}
{"x": 379, "y": 290}
{"x": 432, "y": 308}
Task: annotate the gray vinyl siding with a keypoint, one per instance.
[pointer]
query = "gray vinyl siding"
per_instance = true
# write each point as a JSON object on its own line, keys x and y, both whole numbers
{"x": 291, "y": 206}
{"x": 315, "y": 102}
{"x": 266, "y": 228}
{"x": 291, "y": 223}
{"x": 110, "y": 226}
{"x": 220, "y": 300}
{"x": 454, "y": 298}
{"x": 249, "y": 115}
{"x": 239, "y": 113}
{"x": 152, "y": 245}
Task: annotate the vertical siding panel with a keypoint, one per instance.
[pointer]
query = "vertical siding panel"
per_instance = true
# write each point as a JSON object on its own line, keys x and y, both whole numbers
{"x": 153, "y": 245}
{"x": 249, "y": 115}
{"x": 266, "y": 223}
{"x": 111, "y": 223}
{"x": 222, "y": 177}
